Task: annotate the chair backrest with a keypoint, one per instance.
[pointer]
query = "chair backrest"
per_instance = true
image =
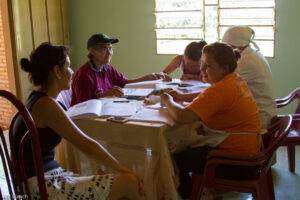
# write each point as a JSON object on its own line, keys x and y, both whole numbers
{"x": 291, "y": 97}
{"x": 263, "y": 160}
{"x": 65, "y": 98}
{"x": 14, "y": 165}
{"x": 275, "y": 136}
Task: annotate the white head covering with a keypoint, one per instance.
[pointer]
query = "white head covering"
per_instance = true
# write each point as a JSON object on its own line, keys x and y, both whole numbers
{"x": 239, "y": 36}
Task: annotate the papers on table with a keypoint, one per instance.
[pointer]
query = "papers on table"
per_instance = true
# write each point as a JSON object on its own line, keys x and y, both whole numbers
{"x": 124, "y": 108}
{"x": 144, "y": 84}
{"x": 188, "y": 85}
{"x": 96, "y": 108}
{"x": 194, "y": 88}
{"x": 154, "y": 106}
{"x": 141, "y": 92}
{"x": 153, "y": 115}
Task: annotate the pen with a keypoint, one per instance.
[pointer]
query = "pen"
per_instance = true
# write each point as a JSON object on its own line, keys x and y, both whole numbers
{"x": 121, "y": 101}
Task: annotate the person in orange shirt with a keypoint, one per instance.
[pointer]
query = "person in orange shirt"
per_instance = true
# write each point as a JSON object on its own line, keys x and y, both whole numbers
{"x": 228, "y": 113}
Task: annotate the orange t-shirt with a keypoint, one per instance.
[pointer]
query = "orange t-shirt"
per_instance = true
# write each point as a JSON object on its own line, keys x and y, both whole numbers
{"x": 228, "y": 105}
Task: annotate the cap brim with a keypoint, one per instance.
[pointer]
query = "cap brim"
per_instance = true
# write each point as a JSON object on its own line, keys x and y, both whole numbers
{"x": 114, "y": 40}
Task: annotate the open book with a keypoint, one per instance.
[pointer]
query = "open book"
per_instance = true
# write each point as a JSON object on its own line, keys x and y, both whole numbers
{"x": 153, "y": 115}
{"x": 96, "y": 108}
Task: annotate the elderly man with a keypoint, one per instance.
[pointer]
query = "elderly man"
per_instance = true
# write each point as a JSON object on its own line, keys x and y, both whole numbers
{"x": 97, "y": 78}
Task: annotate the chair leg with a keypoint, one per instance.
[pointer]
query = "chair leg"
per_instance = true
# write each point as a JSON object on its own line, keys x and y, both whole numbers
{"x": 265, "y": 187}
{"x": 196, "y": 178}
{"x": 291, "y": 157}
{"x": 270, "y": 185}
{"x": 198, "y": 186}
{"x": 260, "y": 190}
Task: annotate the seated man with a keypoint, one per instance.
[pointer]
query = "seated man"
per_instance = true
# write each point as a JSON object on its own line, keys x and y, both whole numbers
{"x": 97, "y": 78}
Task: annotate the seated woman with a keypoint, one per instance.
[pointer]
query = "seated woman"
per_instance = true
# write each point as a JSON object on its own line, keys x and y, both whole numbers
{"x": 188, "y": 63}
{"x": 226, "y": 109}
{"x": 49, "y": 70}
{"x": 254, "y": 68}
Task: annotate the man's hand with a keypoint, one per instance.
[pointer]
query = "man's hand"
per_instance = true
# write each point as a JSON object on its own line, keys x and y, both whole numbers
{"x": 114, "y": 91}
{"x": 149, "y": 77}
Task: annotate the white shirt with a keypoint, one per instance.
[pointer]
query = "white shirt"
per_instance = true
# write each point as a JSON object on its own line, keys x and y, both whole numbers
{"x": 255, "y": 70}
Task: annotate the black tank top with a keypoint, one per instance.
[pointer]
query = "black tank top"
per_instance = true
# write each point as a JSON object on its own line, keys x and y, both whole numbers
{"x": 48, "y": 140}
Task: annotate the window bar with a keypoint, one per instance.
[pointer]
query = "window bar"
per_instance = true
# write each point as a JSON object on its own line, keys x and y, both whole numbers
{"x": 203, "y": 13}
{"x": 255, "y": 25}
{"x": 174, "y": 11}
{"x": 236, "y": 8}
{"x": 234, "y": 1}
{"x": 166, "y": 28}
{"x": 274, "y": 29}
{"x": 219, "y": 28}
{"x": 180, "y": 38}
{"x": 155, "y": 21}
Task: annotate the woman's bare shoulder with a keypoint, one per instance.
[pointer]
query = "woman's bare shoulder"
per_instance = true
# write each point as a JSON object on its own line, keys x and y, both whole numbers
{"x": 46, "y": 105}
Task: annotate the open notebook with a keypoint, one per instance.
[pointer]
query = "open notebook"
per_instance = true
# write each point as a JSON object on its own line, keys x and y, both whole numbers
{"x": 96, "y": 108}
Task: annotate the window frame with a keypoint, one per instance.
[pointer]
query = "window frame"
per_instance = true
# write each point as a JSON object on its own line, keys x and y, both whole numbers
{"x": 219, "y": 25}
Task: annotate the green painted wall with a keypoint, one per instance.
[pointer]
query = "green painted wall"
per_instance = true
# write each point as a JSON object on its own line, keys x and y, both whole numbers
{"x": 132, "y": 22}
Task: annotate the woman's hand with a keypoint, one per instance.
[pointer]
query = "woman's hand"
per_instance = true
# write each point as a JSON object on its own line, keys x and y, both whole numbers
{"x": 164, "y": 98}
{"x": 164, "y": 76}
{"x": 185, "y": 77}
{"x": 177, "y": 96}
{"x": 155, "y": 76}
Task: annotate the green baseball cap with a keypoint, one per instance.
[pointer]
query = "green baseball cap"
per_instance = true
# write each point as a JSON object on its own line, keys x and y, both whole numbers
{"x": 100, "y": 38}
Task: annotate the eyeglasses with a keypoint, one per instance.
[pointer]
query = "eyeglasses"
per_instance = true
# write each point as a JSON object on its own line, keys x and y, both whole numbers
{"x": 105, "y": 49}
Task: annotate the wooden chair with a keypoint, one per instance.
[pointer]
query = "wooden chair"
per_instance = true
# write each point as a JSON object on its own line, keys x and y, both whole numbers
{"x": 14, "y": 165}
{"x": 261, "y": 183}
{"x": 293, "y": 137}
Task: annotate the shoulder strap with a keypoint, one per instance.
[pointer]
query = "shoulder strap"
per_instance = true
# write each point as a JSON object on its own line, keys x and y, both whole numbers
{"x": 33, "y": 97}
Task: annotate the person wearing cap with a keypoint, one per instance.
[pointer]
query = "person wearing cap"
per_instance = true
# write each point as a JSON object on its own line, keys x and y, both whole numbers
{"x": 97, "y": 78}
{"x": 188, "y": 63}
{"x": 254, "y": 69}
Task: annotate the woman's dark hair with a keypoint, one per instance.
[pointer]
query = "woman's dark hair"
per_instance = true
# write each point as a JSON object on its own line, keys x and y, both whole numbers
{"x": 42, "y": 60}
{"x": 223, "y": 54}
{"x": 194, "y": 50}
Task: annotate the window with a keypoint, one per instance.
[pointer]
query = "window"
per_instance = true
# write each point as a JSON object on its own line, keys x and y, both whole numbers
{"x": 179, "y": 22}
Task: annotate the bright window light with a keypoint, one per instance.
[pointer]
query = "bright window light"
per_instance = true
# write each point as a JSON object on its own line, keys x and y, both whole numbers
{"x": 179, "y": 22}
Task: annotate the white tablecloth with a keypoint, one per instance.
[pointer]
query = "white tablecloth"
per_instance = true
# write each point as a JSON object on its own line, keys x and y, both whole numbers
{"x": 140, "y": 146}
